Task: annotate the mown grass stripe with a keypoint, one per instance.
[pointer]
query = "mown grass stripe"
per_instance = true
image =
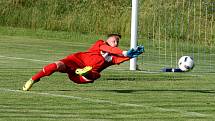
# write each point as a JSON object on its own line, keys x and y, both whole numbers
{"x": 185, "y": 113}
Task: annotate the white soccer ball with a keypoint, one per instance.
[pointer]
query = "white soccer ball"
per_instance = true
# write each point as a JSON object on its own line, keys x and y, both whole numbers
{"x": 186, "y": 63}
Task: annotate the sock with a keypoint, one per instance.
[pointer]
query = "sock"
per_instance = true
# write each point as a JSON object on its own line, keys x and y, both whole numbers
{"x": 46, "y": 71}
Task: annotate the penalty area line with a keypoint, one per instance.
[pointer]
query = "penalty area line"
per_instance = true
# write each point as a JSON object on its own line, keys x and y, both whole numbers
{"x": 28, "y": 59}
{"x": 45, "y": 61}
{"x": 183, "y": 112}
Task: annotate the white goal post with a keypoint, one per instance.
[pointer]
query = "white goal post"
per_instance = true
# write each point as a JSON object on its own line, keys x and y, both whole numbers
{"x": 134, "y": 24}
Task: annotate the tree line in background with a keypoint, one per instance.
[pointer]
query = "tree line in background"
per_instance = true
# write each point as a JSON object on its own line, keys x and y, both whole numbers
{"x": 181, "y": 19}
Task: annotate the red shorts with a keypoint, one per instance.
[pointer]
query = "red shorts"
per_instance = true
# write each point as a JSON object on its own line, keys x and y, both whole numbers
{"x": 71, "y": 66}
{"x": 72, "y": 63}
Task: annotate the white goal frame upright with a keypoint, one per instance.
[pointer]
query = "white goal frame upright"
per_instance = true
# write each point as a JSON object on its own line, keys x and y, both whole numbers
{"x": 134, "y": 24}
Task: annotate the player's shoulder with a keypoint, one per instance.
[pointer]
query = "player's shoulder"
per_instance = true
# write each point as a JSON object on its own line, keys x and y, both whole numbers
{"x": 97, "y": 44}
{"x": 100, "y": 41}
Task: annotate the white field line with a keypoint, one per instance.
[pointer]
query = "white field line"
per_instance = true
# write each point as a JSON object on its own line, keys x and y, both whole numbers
{"x": 185, "y": 113}
{"x": 97, "y": 100}
{"x": 17, "y": 58}
{"x": 37, "y": 60}
{"x": 42, "y": 112}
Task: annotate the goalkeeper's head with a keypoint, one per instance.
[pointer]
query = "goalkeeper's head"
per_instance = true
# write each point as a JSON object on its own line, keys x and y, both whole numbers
{"x": 113, "y": 39}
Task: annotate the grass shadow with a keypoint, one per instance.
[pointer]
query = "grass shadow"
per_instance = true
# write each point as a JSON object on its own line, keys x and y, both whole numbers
{"x": 140, "y": 90}
{"x": 160, "y": 90}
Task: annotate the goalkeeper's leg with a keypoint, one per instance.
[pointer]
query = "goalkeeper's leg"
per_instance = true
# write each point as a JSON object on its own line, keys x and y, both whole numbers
{"x": 83, "y": 79}
{"x": 46, "y": 71}
{"x": 83, "y": 71}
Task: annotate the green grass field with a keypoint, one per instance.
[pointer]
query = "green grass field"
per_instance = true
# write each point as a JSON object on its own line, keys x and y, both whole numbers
{"x": 119, "y": 95}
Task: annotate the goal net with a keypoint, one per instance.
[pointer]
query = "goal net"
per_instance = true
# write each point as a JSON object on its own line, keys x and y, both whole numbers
{"x": 170, "y": 29}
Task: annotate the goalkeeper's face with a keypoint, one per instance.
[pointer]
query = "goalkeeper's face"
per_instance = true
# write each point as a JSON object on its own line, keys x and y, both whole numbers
{"x": 113, "y": 41}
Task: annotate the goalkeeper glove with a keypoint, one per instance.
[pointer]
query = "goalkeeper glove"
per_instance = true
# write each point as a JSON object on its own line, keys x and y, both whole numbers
{"x": 139, "y": 50}
{"x": 130, "y": 53}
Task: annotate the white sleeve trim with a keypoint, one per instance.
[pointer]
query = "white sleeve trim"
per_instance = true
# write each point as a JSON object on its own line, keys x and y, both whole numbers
{"x": 124, "y": 53}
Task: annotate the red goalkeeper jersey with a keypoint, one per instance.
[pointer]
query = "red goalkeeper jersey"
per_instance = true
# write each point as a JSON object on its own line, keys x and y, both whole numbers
{"x": 99, "y": 56}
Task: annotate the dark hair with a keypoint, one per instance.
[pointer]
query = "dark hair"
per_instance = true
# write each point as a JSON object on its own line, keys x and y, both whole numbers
{"x": 114, "y": 34}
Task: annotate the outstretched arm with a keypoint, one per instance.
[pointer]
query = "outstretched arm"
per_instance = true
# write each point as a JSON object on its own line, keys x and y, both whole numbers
{"x": 119, "y": 59}
{"x": 111, "y": 50}
{"x": 132, "y": 53}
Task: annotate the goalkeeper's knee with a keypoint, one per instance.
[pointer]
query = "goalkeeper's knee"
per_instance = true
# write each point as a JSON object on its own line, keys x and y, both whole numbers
{"x": 93, "y": 75}
{"x": 80, "y": 79}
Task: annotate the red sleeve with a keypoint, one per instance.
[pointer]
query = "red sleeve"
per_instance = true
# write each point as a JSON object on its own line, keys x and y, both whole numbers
{"x": 119, "y": 59}
{"x": 112, "y": 50}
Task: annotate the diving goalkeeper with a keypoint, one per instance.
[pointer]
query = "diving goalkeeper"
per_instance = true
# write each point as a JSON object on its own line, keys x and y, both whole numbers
{"x": 85, "y": 67}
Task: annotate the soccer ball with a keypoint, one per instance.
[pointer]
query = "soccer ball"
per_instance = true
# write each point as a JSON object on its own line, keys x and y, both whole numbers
{"x": 186, "y": 63}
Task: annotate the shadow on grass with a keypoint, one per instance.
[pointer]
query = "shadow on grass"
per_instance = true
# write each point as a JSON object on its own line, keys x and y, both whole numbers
{"x": 144, "y": 78}
{"x": 142, "y": 90}
{"x": 159, "y": 90}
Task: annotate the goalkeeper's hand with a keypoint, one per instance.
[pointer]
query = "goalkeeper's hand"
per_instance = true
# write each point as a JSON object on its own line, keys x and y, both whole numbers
{"x": 132, "y": 53}
{"x": 129, "y": 53}
{"x": 139, "y": 50}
